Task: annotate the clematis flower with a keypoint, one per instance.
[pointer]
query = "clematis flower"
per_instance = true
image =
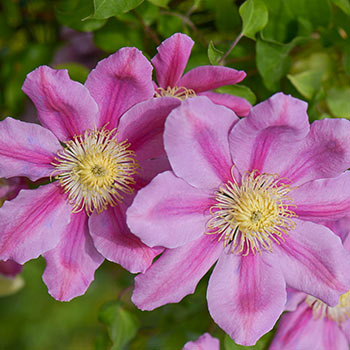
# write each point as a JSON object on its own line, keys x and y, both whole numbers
{"x": 204, "y": 342}
{"x": 252, "y": 194}
{"x": 170, "y": 63}
{"x": 100, "y": 142}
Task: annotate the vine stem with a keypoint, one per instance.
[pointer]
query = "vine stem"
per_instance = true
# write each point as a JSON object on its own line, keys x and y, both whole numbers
{"x": 239, "y": 37}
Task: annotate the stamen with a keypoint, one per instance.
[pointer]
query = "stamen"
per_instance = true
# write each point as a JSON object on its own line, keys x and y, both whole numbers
{"x": 253, "y": 215}
{"x": 95, "y": 170}
{"x": 338, "y": 313}
{"x": 180, "y": 93}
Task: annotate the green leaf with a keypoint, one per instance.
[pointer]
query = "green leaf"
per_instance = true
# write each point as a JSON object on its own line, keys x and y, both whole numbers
{"x": 226, "y": 14}
{"x": 344, "y": 5}
{"x": 74, "y": 13}
{"x": 273, "y": 61}
{"x": 109, "y": 8}
{"x": 122, "y": 325}
{"x": 168, "y": 25}
{"x": 338, "y": 100}
{"x": 262, "y": 343}
{"x": 214, "y": 54}
{"x": 238, "y": 90}
{"x": 160, "y": 3}
{"x": 307, "y": 83}
{"x": 347, "y": 60}
{"x": 254, "y": 16}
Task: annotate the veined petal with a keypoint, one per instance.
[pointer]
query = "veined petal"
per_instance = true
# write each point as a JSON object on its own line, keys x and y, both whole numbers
{"x": 294, "y": 298}
{"x": 237, "y": 104}
{"x": 204, "y": 342}
{"x": 168, "y": 212}
{"x": 256, "y": 141}
{"x": 323, "y": 199}
{"x": 143, "y": 126}
{"x": 314, "y": 261}
{"x": 64, "y": 106}
{"x": 71, "y": 265}
{"x": 171, "y": 59}
{"x": 33, "y": 223}
{"x": 246, "y": 295}
{"x": 118, "y": 82}
{"x": 196, "y": 141}
{"x": 204, "y": 78}
{"x": 26, "y": 149}
{"x": 176, "y": 273}
{"x": 113, "y": 239}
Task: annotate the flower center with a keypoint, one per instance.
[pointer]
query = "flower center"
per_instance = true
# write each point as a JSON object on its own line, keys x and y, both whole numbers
{"x": 338, "y": 313}
{"x": 253, "y": 215}
{"x": 95, "y": 169}
{"x": 180, "y": 93}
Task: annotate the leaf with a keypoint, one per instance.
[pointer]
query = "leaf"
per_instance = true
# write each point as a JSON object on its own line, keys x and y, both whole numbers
{"x": 214, "y": 54}
{"x": 238, "y": 90}
{"x": 307, "y": 83}
{"x": 338, "y": 101}
{"x": 160, "y": 3}
{"x": 74, "y": 13}
{"x": 77, "y": 71}
{"x": 347, "y": 60}
{"x": 273, "y": 61}
{"x": 254, "y": 16}
{"x": 226, "y": 14}
{"x": 122, "y": 325}
{"x": 109, "y": 8}
{"x": 261, "y": 344}
{"x": 344, "y": 5}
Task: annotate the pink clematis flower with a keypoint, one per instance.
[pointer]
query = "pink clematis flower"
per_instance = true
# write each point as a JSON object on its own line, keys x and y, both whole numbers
{"x": 112, "y": 145}
{"x": 170, "y": 63}
{"x": 204, "y": 342}
{"x": 253, "y": 194}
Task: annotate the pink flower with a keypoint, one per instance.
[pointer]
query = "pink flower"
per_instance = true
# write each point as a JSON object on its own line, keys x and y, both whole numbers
{"x": 253, "y": 194}
{"x": 170, "y": 63}
{"x": 204, "y": 342}
{"x": 112, "y": 145}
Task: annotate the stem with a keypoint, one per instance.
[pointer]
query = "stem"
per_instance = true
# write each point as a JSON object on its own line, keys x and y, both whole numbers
{"x": 231, "y": 48}
{"x": 146, "y": 28}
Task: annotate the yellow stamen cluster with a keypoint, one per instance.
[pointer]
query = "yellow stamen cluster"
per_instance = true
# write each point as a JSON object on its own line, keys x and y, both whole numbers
{"x": 180, "y": 93}
{"x": 95, "y": 170}
{"x": 253, "y": 215}
{"x": 338, "y": 313}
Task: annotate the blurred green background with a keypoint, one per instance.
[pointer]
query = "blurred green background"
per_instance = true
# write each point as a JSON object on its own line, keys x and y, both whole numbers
{"x": 301, "y": 47}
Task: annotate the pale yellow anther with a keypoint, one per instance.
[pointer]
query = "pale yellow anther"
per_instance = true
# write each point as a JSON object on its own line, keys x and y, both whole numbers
{"x": 180, "y": 93}
{"x": 338, "y": 313}
{"x": 95, "y": 170}
{"x": 252, "y": 215}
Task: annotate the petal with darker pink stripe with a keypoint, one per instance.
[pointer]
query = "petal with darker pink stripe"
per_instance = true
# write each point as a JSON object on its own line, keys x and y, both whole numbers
{"x": 26, "y": 149}
{"x": 33, "y": 223}
{"x": 71, "y": 265}
{"x": 196, "y": 142}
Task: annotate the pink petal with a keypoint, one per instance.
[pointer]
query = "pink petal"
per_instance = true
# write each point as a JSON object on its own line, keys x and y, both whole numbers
{"x": 196, "y": 141}
{"x": 118, "y": 82}
{"x": 168, "y": 212}
{"x": 246, "y": 295}
{"x": 255, "y": 141}
{"x": 204, "y": 342}
{"x": 64, "y": 106}
{"x": 323, "y": 199}
{"x": 32, "y": 223}
{"x": 238, "y": 104}
{"x": 26, "y": 149}
{"x": 298, "y": 330}
{"x": 143, "y": 126}
{"x": 206, "y": 78}
{"x": 113, "y": 239}
{"x": 314, "y": 261}
{"x": 10, "y": 268}
{"x": 176, "y": 273}
{"x": 294, "y": 298}
{"x": 171, "y": 59}
{"x": 71, "y": 265}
